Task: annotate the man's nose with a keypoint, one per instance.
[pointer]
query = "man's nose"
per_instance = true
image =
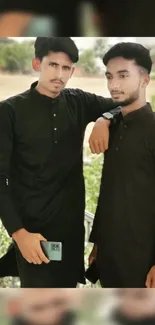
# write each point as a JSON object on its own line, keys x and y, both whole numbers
{"x": 59, "y": 72}
{"x": 114, "y": 85}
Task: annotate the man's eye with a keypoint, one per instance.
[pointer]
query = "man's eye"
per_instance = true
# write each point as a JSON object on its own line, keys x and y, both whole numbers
{"x": 122, "y": 76}
{"x": 109, "y": 77}
{"x": 53, "y": 64}
{"x": 66, "y": 68}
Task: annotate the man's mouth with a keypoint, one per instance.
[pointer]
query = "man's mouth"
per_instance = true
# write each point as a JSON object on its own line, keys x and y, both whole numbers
{"x": 57, "y": 82}
{"x": 116, "y": 94}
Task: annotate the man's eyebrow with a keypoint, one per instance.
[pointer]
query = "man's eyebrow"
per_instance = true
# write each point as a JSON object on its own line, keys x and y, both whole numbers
{"x": 53, "y": 62}
{"x": 119, "y": 71}
{"x": 65, "y": 66}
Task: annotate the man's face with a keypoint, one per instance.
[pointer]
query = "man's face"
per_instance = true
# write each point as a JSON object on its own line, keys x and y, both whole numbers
{"x": 126, "y": 81}
{"x": 42, "y": 307}
{"x": 55, "y": 71}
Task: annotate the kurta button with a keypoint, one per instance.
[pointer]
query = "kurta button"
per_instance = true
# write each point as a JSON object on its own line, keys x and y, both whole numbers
{"x": 125, "y": 126}
{"x": 54, "y": 115}
{"x": 117, "y": 149}
{"x": 55, "y": 129}
{"x": 55, "y": 142}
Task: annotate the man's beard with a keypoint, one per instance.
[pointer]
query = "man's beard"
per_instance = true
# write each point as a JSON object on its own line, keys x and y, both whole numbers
{"x": 128, "y": 101}
{"x": 122, "y": 319}
{"x": 67, "y": 319}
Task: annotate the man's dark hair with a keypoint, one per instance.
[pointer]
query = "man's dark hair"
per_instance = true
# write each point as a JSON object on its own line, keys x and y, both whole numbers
{"x": 44, "y": 45}
{"x": 130, "y": 51}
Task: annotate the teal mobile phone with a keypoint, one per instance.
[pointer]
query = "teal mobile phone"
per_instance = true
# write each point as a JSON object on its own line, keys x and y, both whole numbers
{"x": 52, "y": 250}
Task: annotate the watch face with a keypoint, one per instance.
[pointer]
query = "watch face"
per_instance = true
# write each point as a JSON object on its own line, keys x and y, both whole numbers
{"x": 108, "y": 115}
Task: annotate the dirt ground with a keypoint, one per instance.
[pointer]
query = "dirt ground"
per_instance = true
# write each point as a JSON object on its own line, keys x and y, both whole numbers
{"x": 11, "y": 85}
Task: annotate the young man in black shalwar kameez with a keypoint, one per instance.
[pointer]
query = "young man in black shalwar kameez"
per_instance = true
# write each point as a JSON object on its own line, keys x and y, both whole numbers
{"x": 41, "y": 166}
{"x": 124, "y": 225}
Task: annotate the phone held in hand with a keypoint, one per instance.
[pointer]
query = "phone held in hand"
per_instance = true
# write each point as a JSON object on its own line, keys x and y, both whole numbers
{"x": 52, "y": 250}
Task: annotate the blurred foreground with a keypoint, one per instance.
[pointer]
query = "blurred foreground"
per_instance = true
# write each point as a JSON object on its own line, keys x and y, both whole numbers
{"x": 76, "y": 306}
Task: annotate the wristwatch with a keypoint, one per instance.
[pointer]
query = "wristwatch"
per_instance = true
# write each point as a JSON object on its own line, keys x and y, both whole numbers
{"x": 107, "y": 116}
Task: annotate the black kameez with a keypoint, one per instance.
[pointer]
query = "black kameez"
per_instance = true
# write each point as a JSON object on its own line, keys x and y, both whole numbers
{"x": 124, "y": 224}
{"x": 41, "y": 172}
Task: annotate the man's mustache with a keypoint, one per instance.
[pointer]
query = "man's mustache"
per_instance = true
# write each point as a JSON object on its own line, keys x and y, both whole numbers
{"x": 57, "y": 80}
{"x": 116, "y": 92}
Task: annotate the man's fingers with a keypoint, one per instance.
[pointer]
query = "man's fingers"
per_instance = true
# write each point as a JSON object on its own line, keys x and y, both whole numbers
{"x": 101, "y": 145}
{"x": 96, "y": 146}
{"x": 36, "y": 259}
{"x": 40, "y": 237}
{"x": 29, "y": 261}
{"x": 106, "y": 144}
{"x": 153, "y": 280}
{"x": 91, "y": 146}
{"x": 42, "y": 256}
{"x": 148, "y": 281}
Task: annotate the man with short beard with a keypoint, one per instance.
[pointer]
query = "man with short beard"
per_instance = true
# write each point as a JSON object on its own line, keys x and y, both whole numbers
{"x": 124, "y": 225}
{"x": 42, "y": 192}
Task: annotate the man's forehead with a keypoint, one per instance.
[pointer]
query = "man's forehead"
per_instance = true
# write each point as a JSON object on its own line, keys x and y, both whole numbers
{"x": 58, "y": 56}
{"x": 120, "y": 63}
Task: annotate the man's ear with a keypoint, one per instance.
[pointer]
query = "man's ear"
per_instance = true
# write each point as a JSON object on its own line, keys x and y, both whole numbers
{"x": 146, "y": 80}
{"x": 36, "y": 64}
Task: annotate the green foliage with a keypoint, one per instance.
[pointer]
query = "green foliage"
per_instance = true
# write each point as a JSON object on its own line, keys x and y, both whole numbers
{"x": 100, "y": 47}
{"x": 153, "y": 102}
{"x": 92, "y": 173}
{"x": 153, "y": 75}
{"x": 87, "y": 62}
{"x": 16, "y": 57}
{"x": 5, "y": 240}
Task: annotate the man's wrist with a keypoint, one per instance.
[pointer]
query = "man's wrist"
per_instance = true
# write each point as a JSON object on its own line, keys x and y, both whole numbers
{"x": 101, "y": 119}
{"x": 19, "y": 233}
{"x": 108, "y": 116}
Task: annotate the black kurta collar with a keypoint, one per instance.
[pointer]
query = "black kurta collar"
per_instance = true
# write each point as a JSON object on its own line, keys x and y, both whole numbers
{"x": 43, "y": 99}
{"x": 138, "y": 114}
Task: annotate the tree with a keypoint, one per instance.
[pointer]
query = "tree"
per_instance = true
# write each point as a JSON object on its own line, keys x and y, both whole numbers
{"x": 16, "y": 56}
{"x": 100, "y": 47}
{"x": 87, "y": 62}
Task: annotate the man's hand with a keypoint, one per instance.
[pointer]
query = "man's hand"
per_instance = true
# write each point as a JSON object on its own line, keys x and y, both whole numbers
{"x": 92, "y": 255}
{"x": 150, "y": 280}
{"x": 99, "y": 138}
{"x": 29, "y": 246}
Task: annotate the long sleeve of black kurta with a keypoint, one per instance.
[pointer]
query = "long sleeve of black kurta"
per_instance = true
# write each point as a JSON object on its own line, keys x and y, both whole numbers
{"x": 41, "y": 143}
{"x": 7, "y": 208}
